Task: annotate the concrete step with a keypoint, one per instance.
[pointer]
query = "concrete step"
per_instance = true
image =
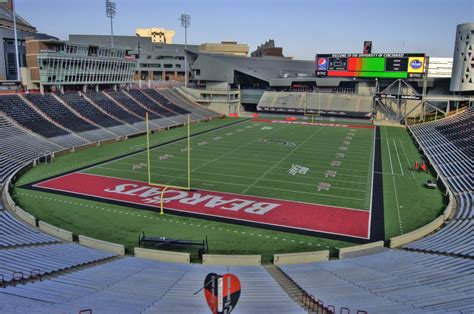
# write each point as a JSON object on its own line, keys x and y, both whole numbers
{"x": 293, "y": 291}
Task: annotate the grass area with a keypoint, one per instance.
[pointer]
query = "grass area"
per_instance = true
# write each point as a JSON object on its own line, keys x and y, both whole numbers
{"x": 408, "y": 204}
{"x": 121, "y": 224}
{"x": 246, "y": 158}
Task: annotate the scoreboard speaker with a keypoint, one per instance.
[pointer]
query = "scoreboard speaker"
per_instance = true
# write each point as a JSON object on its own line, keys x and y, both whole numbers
{"x": 367, "y": 46}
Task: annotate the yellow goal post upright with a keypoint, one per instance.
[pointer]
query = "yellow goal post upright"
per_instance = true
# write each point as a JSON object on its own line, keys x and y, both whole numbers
{"x": 166, "y": 186}
{"x": 312, "y": 115}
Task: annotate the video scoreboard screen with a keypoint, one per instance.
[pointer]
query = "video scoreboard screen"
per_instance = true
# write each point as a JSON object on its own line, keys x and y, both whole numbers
{"x": 375, "y": 65}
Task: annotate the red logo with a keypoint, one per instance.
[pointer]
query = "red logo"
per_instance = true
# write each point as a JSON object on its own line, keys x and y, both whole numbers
{"x": 222, "y": 292}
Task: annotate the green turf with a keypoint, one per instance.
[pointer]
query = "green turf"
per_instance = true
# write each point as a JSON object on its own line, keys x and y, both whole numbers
{"x": 235, "y": 160}
{"x": 123, "y": 225}
{"x": 408, "y": 204}
{"x": 240, "y": 163}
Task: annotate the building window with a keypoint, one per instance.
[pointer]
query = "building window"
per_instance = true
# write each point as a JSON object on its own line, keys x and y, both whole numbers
{"x": 168, "y": 66}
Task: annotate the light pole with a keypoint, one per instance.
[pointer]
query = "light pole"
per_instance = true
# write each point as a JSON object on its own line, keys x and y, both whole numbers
{"x": 17, "y": 56}
{"x": 185, "y": 22}
{"x": 110, "y": 11}
{"x": 138, "y": 57}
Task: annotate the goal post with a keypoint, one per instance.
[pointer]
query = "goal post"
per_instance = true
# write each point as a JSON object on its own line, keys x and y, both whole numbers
{"x": 315, "y": 112}
{"x": 187, "y": 166}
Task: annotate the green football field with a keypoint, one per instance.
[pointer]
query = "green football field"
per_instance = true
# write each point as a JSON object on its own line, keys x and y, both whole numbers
{"x": 281, "y": 161}
{"x": 260, "y": 158}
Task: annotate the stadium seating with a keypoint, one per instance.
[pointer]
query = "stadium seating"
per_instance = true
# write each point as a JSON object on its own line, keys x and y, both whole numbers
{"x": 27, "y": 252}
{"x": 331, "y": 104}
{"x": 169, "y": 100}
{"x": 15, "y": 233}
{"x": 116, "y": 111}
{"x": 19, "y": 146}
{"x": 46, "y": 259}
{"x": 34, "y": 125}
{"x": 170, "y": 117}
{"x": 157, "y": 288}
{"x": 93, "y": 113}
{"x": 449, "y": 146}
{"x": 132, "y": 105}
{"x": 64, "y": 116}
{"x": 16, "y": 108}
{"x": 177, "y": 97}
{"x": 395, "y": 281}
{"x": 158, "y": 96}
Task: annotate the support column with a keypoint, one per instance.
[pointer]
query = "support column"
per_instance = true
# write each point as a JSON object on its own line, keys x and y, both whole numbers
{"x": 398, "y": 99}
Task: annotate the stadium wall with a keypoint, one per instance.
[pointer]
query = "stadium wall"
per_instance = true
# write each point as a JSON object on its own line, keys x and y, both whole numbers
{"x": 163, "y": 256}
{"x": 300, "y": 258}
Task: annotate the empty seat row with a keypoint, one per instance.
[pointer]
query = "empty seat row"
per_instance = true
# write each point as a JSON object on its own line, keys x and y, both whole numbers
{"x": 46, "y": 259}
{"x": 448, "y": 143}
{"x": 134, "y": 285}
{"x": 393, "y": 281}
{"x": 15, "y": 233}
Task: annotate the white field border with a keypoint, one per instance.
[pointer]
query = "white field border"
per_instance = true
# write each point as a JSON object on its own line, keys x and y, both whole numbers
{"x": 372, "y": 185}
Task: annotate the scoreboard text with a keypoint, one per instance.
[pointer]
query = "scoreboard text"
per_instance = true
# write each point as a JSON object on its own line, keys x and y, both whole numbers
{"x": 376, "y": 65}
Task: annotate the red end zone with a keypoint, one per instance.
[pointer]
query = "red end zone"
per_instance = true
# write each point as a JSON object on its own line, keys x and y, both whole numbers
{"x": 266, "y": 211}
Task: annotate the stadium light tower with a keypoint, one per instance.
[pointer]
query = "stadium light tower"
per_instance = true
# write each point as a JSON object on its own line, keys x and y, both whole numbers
{"x": 17, "y": 56}
{"x": 110, "y": 11}
{"x": 185, "y": 22}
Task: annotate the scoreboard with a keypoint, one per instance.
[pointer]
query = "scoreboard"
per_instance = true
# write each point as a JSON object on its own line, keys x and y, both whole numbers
{"x": 375, "y": 65}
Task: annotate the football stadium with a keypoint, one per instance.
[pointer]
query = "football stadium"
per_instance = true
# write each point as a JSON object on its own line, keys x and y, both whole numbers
{"x": 142, "y": 175}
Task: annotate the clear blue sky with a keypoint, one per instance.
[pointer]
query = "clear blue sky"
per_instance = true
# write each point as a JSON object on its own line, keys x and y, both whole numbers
{"x": 302, "y": 27}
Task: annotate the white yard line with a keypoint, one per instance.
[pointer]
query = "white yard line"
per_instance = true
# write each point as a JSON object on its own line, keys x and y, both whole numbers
{"x": 372, "y": 182}
{"x": 174, "y": 142}
{"x": 389, "y": 154}
{"x": 246, "y": 177}
{"x": 245, "y": 185}
{"x": 398, "y": 205}
{"x": 229, "y": 153}
{"x": 398, "y": 156}
{"x": 281, "y": 160}
{"x": 256, "y": 160}
{"x": 406, "y": 157}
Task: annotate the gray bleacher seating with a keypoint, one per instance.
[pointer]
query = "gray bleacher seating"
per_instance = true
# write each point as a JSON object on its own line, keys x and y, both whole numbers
{"x": 17, "y": 109}
{"x": 394, "y": 281}
{"x": 19, "y": 146}
{"x": 168, "y": 117}
{"x": 46, "y": 259}
{"x": 449, "y": 144}
{"x": 330, "y": 103}
{"x": 93, "y": 113}
{"x": 171, "y": 99}
{"x": 114, "y": 110}
{"x": 132, "y": 285}
{"x": 57, "y": 111}
{"x": 15, "y": 233}
{"x": 97, "y": 117}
